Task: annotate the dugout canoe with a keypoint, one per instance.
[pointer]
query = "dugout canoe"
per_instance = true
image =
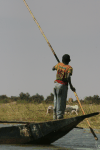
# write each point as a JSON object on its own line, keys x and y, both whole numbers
{"x": 39, "y": 133}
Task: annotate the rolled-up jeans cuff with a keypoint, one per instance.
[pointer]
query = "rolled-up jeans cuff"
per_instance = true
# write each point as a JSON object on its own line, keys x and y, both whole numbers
{"x": 60, "y": 117}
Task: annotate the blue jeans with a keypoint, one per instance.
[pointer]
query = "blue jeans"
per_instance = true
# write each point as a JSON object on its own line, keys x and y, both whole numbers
{"x": 60, "y": 96}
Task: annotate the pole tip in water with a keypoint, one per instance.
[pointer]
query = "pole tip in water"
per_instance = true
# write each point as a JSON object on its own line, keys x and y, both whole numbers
{"x": 96, "y": 138}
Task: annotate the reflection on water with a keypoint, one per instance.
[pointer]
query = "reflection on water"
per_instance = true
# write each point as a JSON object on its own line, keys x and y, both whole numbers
{"x": 77, "y": 139}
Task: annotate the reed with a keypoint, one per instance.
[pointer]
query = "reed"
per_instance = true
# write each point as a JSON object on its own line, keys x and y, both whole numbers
{"x": 37, "y": 112}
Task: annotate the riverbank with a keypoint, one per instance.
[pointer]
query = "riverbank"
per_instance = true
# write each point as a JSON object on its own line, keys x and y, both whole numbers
{"x": 37, "y": 113}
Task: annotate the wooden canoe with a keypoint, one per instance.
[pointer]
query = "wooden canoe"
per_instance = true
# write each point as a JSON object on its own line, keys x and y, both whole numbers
{"x": 39, "y": 133}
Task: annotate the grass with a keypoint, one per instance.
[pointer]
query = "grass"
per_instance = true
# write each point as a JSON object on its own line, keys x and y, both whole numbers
{"x": 37, "y": 112}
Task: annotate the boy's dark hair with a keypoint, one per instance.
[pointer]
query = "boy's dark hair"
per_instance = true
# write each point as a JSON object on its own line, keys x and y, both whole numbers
{"x": 66, "y": 58}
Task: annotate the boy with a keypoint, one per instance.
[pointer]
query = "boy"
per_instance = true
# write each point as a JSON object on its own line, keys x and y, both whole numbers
{"x": 63, "y": 77}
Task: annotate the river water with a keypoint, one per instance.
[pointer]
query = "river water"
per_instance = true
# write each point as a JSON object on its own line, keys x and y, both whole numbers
{"x": 76, "y": 139}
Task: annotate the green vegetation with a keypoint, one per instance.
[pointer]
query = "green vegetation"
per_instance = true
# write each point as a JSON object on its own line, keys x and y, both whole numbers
{"x": 25, "y": 97}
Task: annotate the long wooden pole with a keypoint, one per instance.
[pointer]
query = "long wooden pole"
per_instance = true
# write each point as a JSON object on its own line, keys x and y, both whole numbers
{"x": 41, "y": 31}
{"x": 58, "y": 61}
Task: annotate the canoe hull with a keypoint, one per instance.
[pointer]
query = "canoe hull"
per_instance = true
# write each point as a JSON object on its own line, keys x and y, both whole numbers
{"x": 15, "y": 135}
{"x": 40, "y": 133}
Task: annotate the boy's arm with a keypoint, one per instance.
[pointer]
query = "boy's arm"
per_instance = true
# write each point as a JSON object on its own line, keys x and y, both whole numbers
{"x": 69, "y": 81}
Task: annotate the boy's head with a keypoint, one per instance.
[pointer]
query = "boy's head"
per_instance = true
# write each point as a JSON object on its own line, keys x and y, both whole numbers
{"x": 66, "y": 59}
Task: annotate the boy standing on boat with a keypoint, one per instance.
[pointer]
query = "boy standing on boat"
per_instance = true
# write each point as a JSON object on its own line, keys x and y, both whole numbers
{"x": 63, "y": 77}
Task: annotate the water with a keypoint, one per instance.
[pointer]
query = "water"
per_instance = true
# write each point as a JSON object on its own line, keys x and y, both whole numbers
{"x": 77, "y": 139}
